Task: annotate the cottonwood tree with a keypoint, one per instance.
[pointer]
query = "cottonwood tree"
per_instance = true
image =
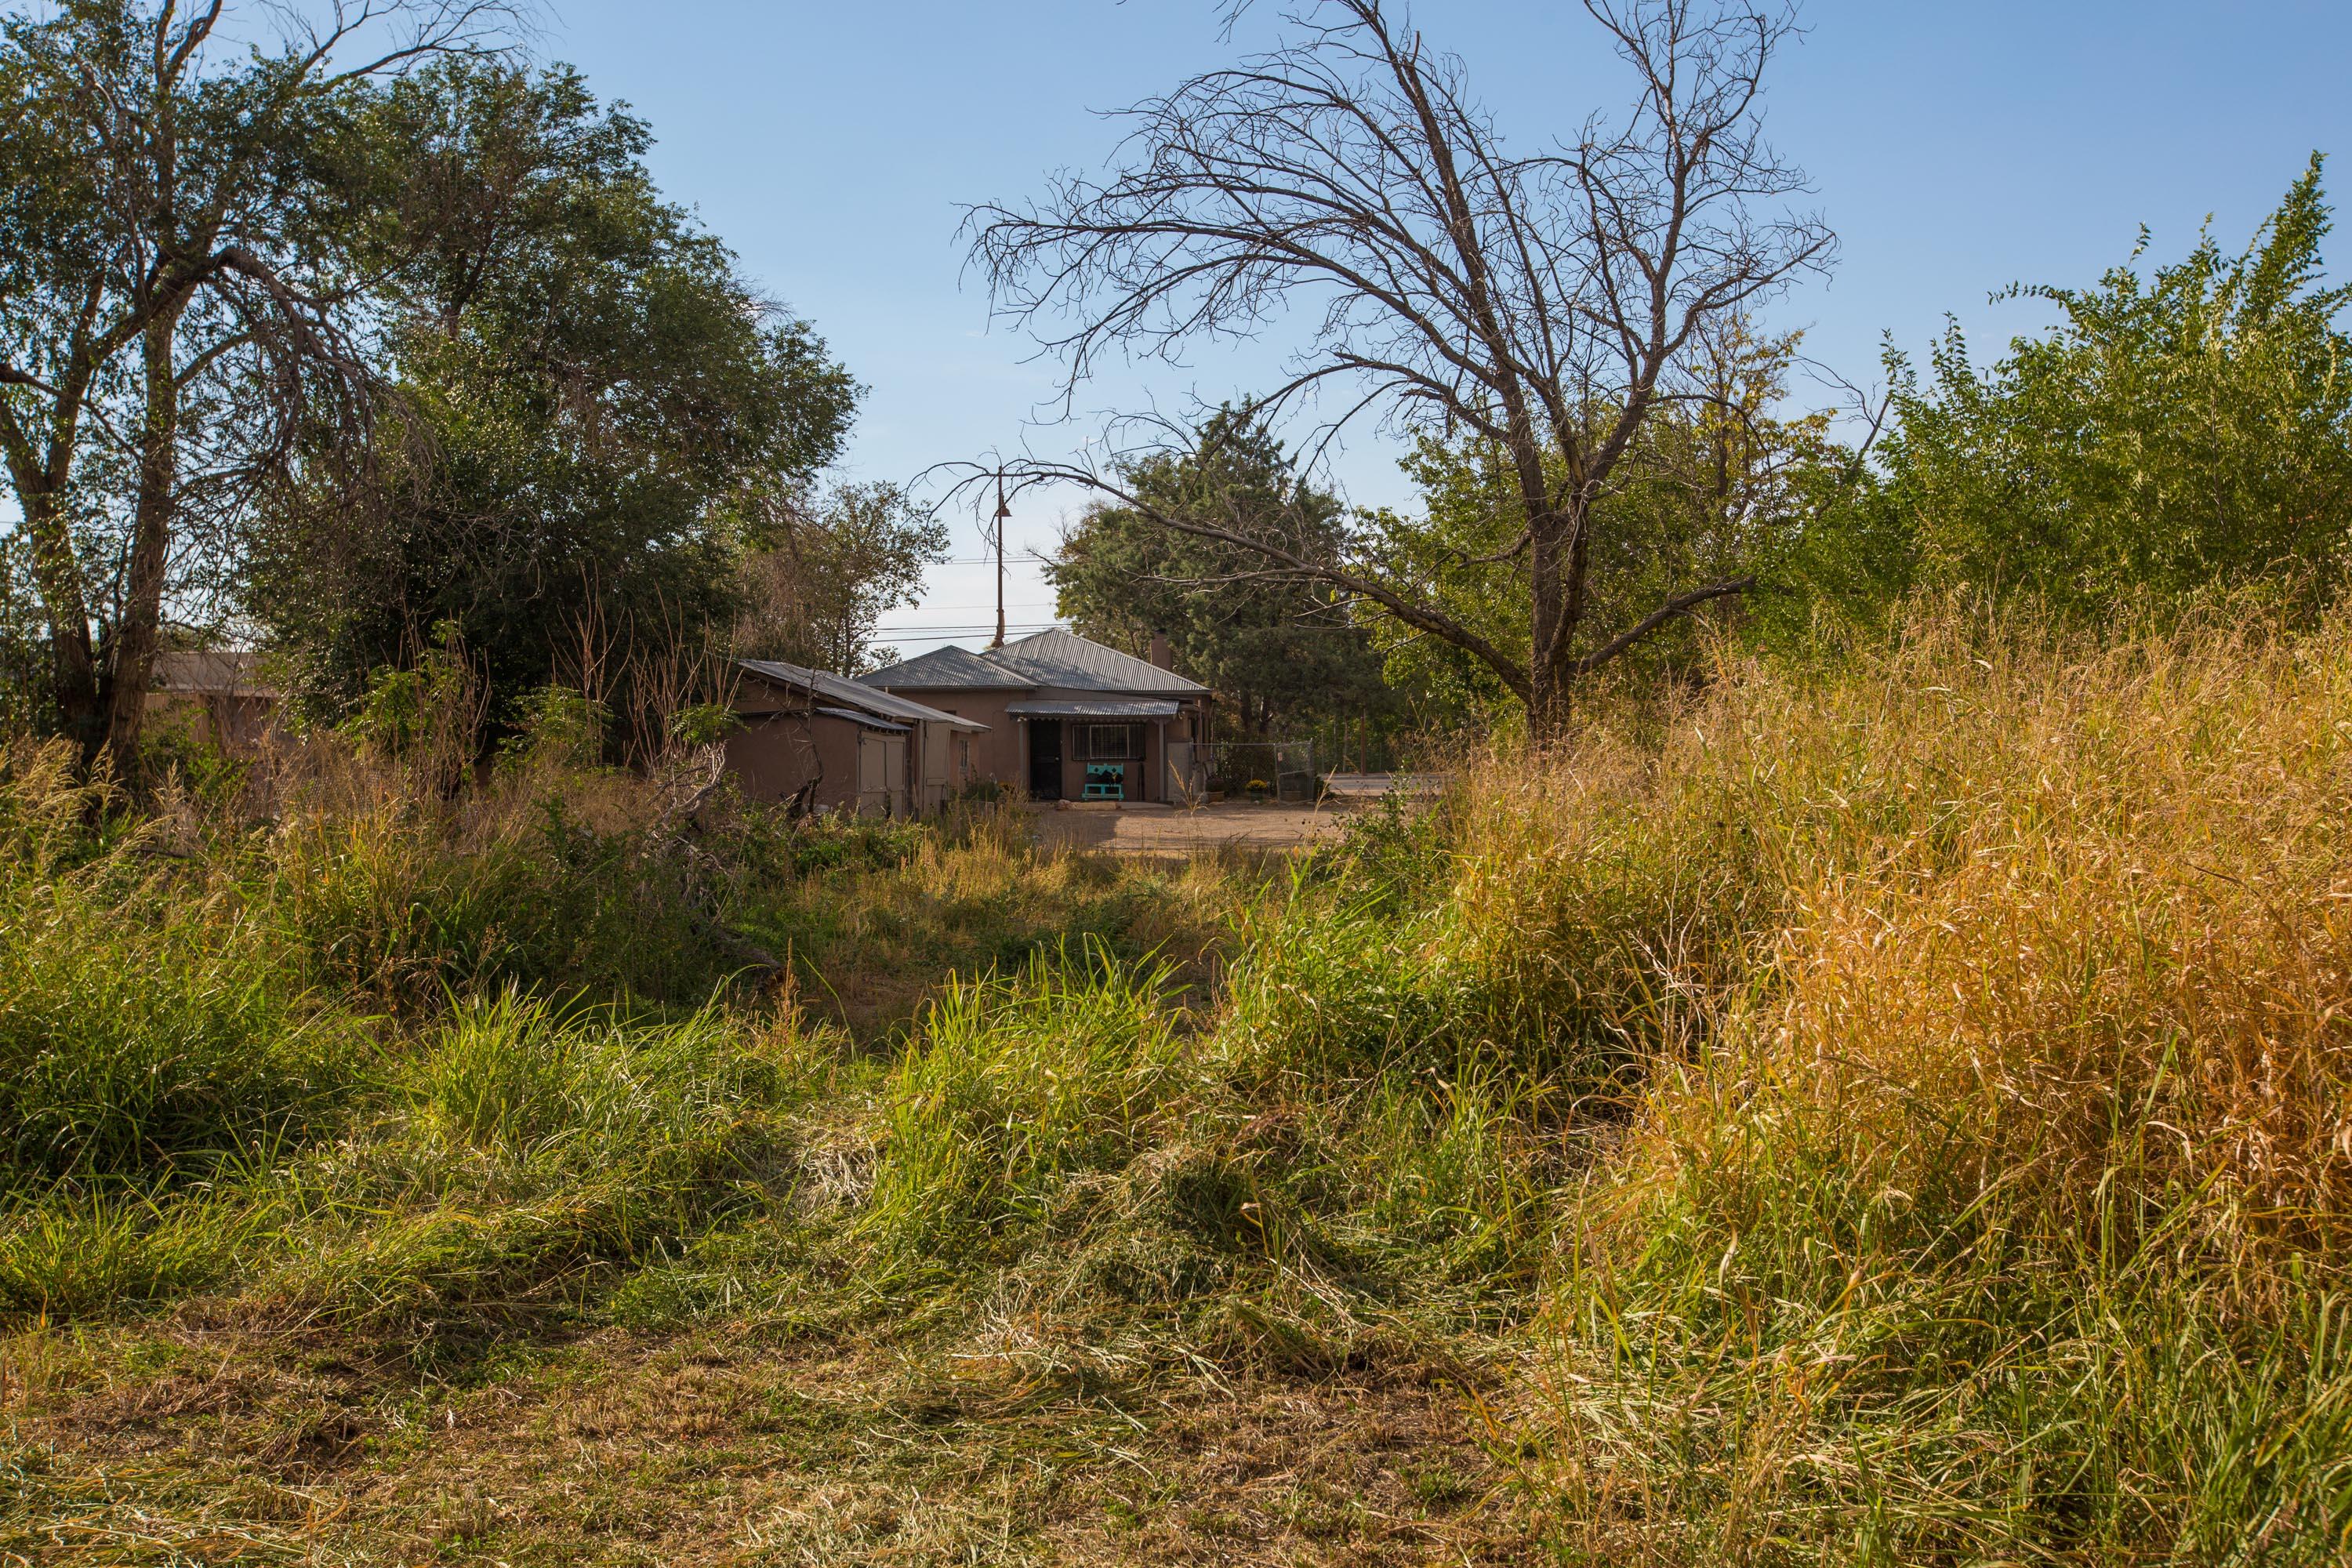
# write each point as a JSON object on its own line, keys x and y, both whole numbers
{"x": 590, "y": 410}
{"x": 169, "y": 272}
{"x": 1545, "y": 301}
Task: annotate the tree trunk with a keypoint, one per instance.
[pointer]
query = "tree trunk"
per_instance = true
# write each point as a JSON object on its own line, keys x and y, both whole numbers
{"x": 1556, "y": 584}
{"x": 73, "y": 663}
{"x": 64, "y": 603}
{"x": 133, "y": 644}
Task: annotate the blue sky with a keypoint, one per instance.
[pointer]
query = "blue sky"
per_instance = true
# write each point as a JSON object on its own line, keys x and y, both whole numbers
{"x": 1955, "y": 147}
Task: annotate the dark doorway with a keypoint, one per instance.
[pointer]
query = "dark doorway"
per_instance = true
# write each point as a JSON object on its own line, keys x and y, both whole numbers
{"x": 1044, "y": 759}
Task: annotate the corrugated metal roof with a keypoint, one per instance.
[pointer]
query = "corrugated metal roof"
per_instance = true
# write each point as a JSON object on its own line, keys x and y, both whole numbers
{"x": 842, "y": 693}
{"x": 866, "y": 721}
{"x": 1050, "y": 659}
{"x": 1100, "y": 708}
{"x": 1066, "y": 659}
{"x": 947, "y": 668}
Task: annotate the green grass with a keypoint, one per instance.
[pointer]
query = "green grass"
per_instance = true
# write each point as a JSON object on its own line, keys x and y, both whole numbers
{"x": 1891, "y": 1110}
{"x": 73, "y": 1255}
{"x": 144, "y": 1024}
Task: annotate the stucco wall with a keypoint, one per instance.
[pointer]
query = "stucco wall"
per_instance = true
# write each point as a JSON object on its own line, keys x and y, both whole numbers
{"x": 996, "y": 755}
{"x": 775, "y": 753}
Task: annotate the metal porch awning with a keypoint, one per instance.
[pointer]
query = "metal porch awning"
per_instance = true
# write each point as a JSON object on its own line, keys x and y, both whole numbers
{"x": 1100, "y": 708}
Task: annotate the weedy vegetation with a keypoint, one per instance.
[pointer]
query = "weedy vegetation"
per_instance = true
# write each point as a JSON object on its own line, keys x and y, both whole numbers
{"x": 1892, "y": 1106}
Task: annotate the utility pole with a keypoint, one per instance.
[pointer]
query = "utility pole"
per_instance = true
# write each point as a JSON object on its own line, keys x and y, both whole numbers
{"x": 1003, "y": 512}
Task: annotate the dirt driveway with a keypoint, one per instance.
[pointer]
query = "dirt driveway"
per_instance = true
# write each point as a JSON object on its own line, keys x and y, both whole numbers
{"x": 1136, "y": 829}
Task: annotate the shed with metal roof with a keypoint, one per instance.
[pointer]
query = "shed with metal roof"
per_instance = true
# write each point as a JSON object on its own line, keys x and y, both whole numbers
{"x": 825, "y": 742}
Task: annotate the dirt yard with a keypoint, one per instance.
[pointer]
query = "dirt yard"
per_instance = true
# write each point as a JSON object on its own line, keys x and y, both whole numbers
{"x": 1138, "y": 830}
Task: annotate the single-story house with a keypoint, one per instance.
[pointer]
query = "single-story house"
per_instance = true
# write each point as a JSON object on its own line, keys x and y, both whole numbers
{"x": 836, "y": 745}
{"x": 1066, "y": 717}
{"x": 222, "y": 694}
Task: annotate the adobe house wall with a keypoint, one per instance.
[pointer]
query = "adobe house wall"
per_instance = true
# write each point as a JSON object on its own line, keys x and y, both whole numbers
{"x": 1003, "y": 753}
{"x": 997, "y": 754}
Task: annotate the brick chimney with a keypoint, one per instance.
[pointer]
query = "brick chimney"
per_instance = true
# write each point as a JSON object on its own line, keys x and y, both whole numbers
{"x": 1162, "y": 656}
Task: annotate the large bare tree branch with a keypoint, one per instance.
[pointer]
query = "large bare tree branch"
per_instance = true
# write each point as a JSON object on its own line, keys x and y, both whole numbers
{"x": 1682, "y": 603}
{"x": 1349, "y": 183}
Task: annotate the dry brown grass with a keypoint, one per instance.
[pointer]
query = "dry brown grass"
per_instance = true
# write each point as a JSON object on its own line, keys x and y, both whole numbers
{"x": 719, "y": 1449}
{"x": 2057, "y": 919}
{"x": 870, "y": 948}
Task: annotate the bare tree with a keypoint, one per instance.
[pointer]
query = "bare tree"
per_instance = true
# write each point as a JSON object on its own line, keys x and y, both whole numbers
{"x": 1544, "y": 303}
{"x": 177, "y": 208}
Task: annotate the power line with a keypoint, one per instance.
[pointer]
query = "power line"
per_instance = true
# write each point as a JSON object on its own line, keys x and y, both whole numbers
{"x": 887, "y": 633}
{"x": 990, "y": 559}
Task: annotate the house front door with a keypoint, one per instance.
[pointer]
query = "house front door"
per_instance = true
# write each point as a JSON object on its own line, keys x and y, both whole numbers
{"x": 1044, "y": 759}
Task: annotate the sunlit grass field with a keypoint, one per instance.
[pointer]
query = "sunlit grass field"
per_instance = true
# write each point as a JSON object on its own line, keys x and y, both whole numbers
{"x": 1894, "y": 1108}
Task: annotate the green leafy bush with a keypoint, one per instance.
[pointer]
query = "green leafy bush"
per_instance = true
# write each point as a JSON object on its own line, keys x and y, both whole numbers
{"x": 2173, "y": 434}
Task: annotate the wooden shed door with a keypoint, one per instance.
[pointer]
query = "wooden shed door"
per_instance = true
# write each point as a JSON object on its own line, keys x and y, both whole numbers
{"x": 938, "y": 774}
{"x": 893, "y": 774}
{"x": 873, "y": 774}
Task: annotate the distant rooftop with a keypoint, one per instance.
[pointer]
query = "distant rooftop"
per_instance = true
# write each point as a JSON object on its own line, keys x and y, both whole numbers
{"x": 1049, "y": 660}
{"x": 211, "y": 671}
{"x": 942, "y": 670}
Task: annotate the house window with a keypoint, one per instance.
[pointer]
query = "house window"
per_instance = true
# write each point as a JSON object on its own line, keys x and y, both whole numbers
{"x": 1111, "y": 743}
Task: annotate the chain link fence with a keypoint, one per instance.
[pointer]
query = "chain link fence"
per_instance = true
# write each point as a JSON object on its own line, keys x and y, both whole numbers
{"x": 1248, "y": 770}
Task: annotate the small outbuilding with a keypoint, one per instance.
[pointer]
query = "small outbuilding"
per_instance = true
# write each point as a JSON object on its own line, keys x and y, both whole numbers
{"x": 833, "y": 744}
{"x": 221, "y": 694}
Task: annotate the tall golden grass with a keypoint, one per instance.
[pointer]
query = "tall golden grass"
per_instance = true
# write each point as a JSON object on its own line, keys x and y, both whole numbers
{"x": 1987, "y": 1195}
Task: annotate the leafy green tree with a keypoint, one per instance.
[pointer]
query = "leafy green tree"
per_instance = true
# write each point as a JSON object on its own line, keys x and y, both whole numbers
{"x": 818, "y": 597}
{"x": 25, "y": 688}
{"x": 1456, "y": 550}
{"x": 167, "y": 300}
{"x": 1716, "y": 486}
{"x": 588, "y": 399}
{"x": 1280, "y": 646}
{"x": 2170, "y": 434}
